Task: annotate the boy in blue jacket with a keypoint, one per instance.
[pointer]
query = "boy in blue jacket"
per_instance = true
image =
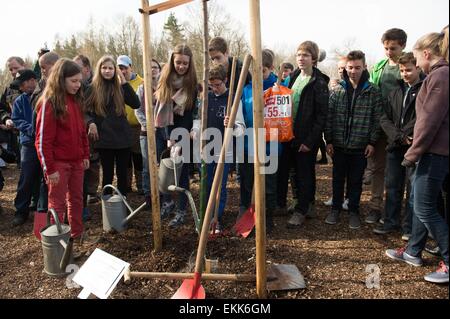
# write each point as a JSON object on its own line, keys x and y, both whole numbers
{"x": 30, "y": 174}
{"x": 246, "y": 167}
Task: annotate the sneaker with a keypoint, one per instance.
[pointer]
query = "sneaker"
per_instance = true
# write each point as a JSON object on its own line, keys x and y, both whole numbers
{"x": 166, "y": 209}
{"x": 354, "y": 221}
{"x": 406, "y": 237}
{"x": 296, "y": 220}
{"x": 373, "y": 217}
{"x": 178, "y": 220}
{"x": 401, "y": 255}
{"x": 345, "y": 204}
{"x": 311, "y": 211}
{"x": 332, "y": 218}
{"x": 383, "y": 231}
{"x": 440, "y": 276}
{"x": 329, "y": 202}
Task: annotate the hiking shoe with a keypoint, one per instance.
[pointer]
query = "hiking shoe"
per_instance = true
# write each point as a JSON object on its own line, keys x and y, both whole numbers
{"x": 406, "y": 237}
{"x": 401, "y": 255}
{"x": 440, "y": 276}
{"x": 86, "y": 214}
{"x": 311, "y": 211}
{"x": 435, "y": 251}
{"x": 19, "y": 220}
{"x": 345, "y": 204}
{"x": 332, "y": 218}
{"x": 296, "y": 220}
{"x": 383, "y": 231}
{"x": 291, "y": 209}
{"x": 166, "y": 209}
{"x": 178, "y": 220}
{"x": 329, "y": 202}
{"x": 373, "y": 217}
{"x": 92, "y": 199}
{"x": 354, "y": 221}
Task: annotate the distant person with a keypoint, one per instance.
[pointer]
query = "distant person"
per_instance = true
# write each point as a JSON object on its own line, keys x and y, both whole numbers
{"x": 286, "y": 68}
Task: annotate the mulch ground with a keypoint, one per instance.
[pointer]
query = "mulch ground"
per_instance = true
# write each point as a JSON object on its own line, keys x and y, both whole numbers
{"x": 332, "y": 259}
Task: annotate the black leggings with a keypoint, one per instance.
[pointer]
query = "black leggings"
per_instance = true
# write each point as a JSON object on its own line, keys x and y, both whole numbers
{"x": 120, "y": 158}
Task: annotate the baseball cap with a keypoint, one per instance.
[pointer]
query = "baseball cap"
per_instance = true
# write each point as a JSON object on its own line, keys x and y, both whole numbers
{"x": 124, "y": 60}
{"x": 22, "y": 76}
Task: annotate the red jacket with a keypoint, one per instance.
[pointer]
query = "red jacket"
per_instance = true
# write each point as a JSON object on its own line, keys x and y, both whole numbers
{"x": 60, "y": 140}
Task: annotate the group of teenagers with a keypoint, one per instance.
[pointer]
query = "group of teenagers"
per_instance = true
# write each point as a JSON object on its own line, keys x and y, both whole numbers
{"x": 75, "y": 119}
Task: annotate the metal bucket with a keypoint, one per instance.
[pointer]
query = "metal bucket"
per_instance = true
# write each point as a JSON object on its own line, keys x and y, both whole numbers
{"x": 168, "y": 175}
{"x": 114, "y": 210}
{"x": 56, "y": 246}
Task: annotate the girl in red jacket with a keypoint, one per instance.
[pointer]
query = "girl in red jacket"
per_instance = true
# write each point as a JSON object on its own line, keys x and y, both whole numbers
{"x": 62, "y": 143}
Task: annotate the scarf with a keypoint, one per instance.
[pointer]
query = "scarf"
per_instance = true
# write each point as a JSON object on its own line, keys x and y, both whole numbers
{"x": 164, "y": 111}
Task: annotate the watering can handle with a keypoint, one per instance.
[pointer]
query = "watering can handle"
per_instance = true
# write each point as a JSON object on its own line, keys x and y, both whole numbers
{"x": 118, "y": 193}
{"x": 51, "y": 211}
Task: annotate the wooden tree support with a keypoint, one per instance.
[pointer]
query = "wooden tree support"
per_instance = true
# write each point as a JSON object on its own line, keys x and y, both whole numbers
{"x": 128, "y": 276}
{"x": 163, "y": 6}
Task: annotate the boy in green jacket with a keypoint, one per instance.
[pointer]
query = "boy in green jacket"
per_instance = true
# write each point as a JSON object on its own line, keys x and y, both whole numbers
{"x": 386, "y": 76}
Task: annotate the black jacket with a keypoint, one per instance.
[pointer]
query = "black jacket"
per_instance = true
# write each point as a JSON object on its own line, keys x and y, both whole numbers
{"x": 396, "y": 122}
{"x": 114, "y": 131}
{"x": 312, "y": 111}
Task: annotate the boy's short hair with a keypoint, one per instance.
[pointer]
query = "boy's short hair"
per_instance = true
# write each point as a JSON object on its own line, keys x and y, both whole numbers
{"x": 267, "y": 58}
{"x": 287, "y": 65}
{"x": 84, "y": 59}
{"x": 218, "y": 44}
{"x": 356, "y": 55}
{"x": 395, "y": 35}
{"x": 406, "y": 58}
{"x": 218, "y": 72}
{"x": 310, "y": 47}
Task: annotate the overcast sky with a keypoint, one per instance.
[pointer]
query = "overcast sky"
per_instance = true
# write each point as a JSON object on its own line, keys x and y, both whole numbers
{"x": 25, "y": 25}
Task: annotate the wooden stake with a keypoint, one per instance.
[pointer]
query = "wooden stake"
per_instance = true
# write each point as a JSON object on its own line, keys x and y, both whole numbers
{"x": 204, "y": 124}
{"x": 258, "y": 122}
{"x": 151, "y": 141}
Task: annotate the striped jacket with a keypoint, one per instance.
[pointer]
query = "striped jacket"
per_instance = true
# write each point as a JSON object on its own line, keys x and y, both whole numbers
{"x": 356, "y": 126}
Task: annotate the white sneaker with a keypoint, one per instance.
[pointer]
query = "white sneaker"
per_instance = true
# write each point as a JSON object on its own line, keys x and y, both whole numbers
{"x": 329, "y": 202}
{"x": 345, "y": 204}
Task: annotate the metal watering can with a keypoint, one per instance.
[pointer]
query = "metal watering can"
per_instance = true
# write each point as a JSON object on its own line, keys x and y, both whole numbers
{"x": 57, "y": 246}
{"x": 114, "y": 210}
{"x": 169, "y": 173}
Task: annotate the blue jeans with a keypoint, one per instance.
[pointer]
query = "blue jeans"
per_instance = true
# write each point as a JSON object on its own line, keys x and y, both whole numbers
{"x": 30, "y": 182}
{"x": 426, "y": 184}
{"x": 161, "y": 145}
{"x": 396, "y": 178}
{"x": 348, "y": 166}
{"x": 211, "y": 170}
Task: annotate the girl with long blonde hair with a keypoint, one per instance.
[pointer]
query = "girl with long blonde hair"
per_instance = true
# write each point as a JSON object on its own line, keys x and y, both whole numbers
{"x": 107, "y": 121}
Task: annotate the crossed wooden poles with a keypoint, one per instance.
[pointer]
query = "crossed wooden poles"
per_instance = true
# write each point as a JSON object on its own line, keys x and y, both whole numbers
{"x": 258, "y": 116}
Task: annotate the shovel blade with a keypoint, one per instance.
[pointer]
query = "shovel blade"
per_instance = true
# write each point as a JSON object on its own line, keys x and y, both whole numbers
{"x": 188, "y": 291}
{"x": 246, "y": 223}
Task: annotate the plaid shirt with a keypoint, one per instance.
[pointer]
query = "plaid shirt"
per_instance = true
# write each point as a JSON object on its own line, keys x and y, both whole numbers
{"x": 354, "y": 129}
